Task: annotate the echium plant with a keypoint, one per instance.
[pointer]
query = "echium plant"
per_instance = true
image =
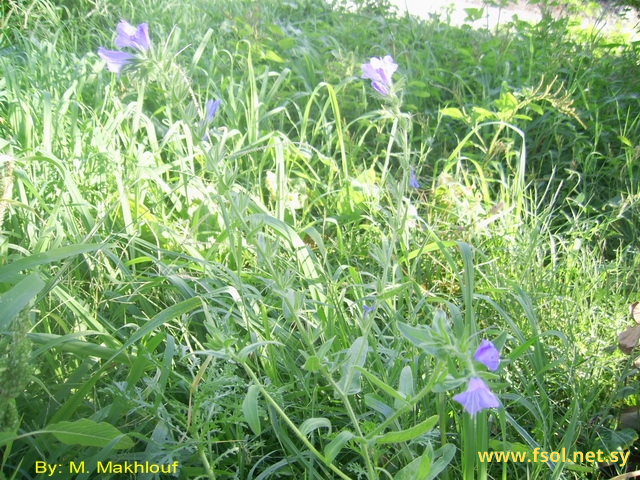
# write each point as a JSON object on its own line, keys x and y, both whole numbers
{"x": 146, "y": 64}
{"x": 452, "y": 347}
{"x": 380, "y": 71}
{"x": 465, "y": 364}
{"x": 129, "y": 36}
{"x": 439, "y": 341}
{"x": 478, "y": 395}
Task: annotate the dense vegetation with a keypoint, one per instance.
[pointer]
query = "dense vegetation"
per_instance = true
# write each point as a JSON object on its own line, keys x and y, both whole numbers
{"x": 295, "y": 284}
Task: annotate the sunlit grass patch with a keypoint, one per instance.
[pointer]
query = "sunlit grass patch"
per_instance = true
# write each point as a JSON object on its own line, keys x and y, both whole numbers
{"x": 278, "y": 239}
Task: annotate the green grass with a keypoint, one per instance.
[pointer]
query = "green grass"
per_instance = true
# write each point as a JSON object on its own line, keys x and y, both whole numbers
{"x": 171, "y": 299}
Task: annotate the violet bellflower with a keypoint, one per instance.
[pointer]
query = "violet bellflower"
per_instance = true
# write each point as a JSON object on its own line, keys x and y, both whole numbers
{"x": 212, "y": 108}
{"x": 115, "y": 59}
{"x": 488, "y": 355}
{"x": 413, "y": 181}
{"x": 379, "y": 71}
{"x": 133, "y": 37}
{"x": 128, "y": 36}
{"x": 477, "y": 397}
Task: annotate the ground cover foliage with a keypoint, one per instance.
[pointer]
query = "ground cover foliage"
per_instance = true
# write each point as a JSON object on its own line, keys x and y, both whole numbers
{"x": 262, "y": 291}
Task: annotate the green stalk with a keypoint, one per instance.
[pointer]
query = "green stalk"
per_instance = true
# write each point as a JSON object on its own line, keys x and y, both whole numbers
{"x": 440, "y": 368}
{"x": 207, "y": 465}
{"x": 288, "y": 421}
{"x": 356, "y": 425}
{"x": 442, "y": 419}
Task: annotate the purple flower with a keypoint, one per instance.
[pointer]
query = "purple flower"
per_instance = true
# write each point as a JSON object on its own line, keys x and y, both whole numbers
{"x": 413, "y": 181}
{"x": 134, "y": 37}
{"x": 477, "y": 397}
{"x": 379, "y": 71}
{"x": 115, "y": 59}
{"x": 367, "y": 310}
{"x": 212, "y": 108}
{"x": 488, "y": 355}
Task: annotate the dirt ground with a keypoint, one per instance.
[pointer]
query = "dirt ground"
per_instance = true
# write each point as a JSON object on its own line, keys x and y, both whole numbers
{"x": 493, "y": 16}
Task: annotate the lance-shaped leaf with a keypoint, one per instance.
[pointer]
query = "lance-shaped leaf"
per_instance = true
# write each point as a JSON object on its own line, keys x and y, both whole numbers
{"x": 88, "y": 433}
{"x": 349, "y": 384}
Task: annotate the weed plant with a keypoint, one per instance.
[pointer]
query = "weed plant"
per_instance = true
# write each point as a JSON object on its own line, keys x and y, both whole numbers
{"x": 300, "y": 280}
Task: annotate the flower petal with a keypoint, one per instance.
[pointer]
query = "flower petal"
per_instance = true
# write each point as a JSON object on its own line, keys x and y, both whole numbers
{"x": 380, "y": 87}
{"x": 413, "y": 181}
{"x": 133, "y": 37}
{"x": 477, "y": 397}
{"x": 488, "y": 355}
{"x": 370, "y": 72}
{"x": 388, "y": 68}
{"x": 380, "y": 71}
{"x": 212, "y": 108}
{"x": 115, "y": 59}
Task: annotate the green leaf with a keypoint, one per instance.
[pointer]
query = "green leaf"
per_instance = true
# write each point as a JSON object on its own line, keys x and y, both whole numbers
{"x": 536, "y": 108}
{"x": 88, "y": 433}
{"x": 7, "y": 437}
{"x": 375, "y": 402}
{"x": 507, "y": 102}
{"x": 202, "y": 47}
{"x": 500, "y": 446}
{"x": 429, "y": 247}
{"x": 419, "y": 336}
{"x": 313, "y": 364}
{"x": 367, "y": 183}
{"x": 419, "y": 469}
{"x": 13, "y": 301}
{"x": 453, "y": 113}
{"x": 275, "y": 29}
{"x": 383, "y": 386}
{"x": 161, "y": 318}
{"x": 405, "y": 386}
{"x": 70, "y": 343}
{"x": 11, "y": 272}
{"x": 306, "y": 258}
{"x": 448, "y": 383}
{"x": 335, "y": 445}
{"x": 483, "y": 113}
{"x": 312, "y": 424}
{"x": 286, "y": 43}
{"x": 250, "y": 409}
{"x": 409, "y": 433}
{"x": 473, "y": 14}
{"x": 393, "y": 290}
{"x": 349, "y": 384}
{"x": 273, "y": 56}
{"x": 625, "y": 141}
{"x": 574, "y": 467}
{"x": 616, "y": 440}
{"x": 444, "y": 456}
{"x": 249, "y": 349}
